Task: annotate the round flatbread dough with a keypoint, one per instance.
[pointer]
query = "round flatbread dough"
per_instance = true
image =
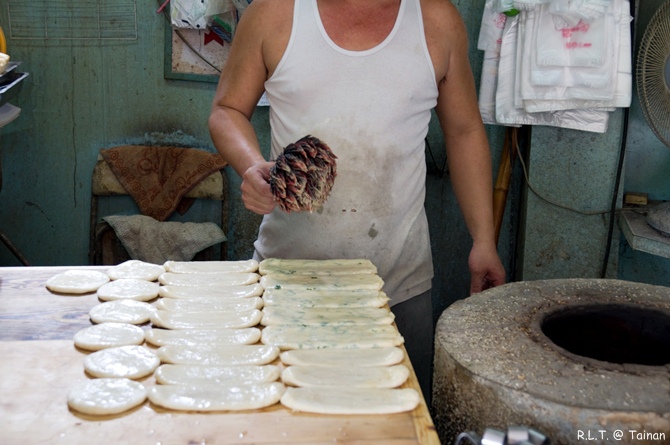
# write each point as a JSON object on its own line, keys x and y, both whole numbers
{"x": 108, "y": 335}
{"x": 136, "y": 269}
{"x": 122, "y": 311}
{"x": 77, "y": 281}
{"x": 130, "y": 288}
{"x": 132, "y": 362}
{"x": 106, "y": 396}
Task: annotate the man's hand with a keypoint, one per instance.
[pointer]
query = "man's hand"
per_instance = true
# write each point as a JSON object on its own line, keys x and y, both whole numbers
{"x": 256, "y": 192}
{"x": 486, "y": 269}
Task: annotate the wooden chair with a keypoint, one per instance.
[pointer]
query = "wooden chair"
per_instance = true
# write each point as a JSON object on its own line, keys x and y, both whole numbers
{"x": 104, "y": 246}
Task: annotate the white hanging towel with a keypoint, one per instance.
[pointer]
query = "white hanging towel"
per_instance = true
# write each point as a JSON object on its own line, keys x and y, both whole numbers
{"x": 491, "y": 28}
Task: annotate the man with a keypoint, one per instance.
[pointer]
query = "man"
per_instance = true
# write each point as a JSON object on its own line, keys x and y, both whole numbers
{"x": 363, "y": 77}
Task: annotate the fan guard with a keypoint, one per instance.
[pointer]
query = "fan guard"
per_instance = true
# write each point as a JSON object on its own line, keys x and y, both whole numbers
{"x": 653, "y": 73}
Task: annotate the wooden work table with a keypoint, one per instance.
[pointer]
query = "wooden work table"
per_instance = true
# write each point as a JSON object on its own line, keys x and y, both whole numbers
{"x": 39, "y": 364}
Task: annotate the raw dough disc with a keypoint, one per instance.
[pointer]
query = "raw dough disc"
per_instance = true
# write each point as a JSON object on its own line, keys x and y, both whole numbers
{"x": 132, "y": 362}
{"x": 122, "y": 311}
{"x": 322, "y": 282}
{"x": 106, "y": 396}
{"x": 223, "y": 292}
{"x": 346, "y": 376}
{"x": 108, "y": 335}
{"x": 207, "y": 303}
{"x": 365, "y": 316}
{"x": 351, "y": 298}
{"x": 219, "y": 375}
{"x": 216, "y": 397}
{"x": 243, "y": 266}
{"x": 317, "y": 267}
{"x": 136, "y": 269}
{"x": 204, "y": 319}
{"x": 195, "y": 337}
{"x": 218, "y": 355}
{"x": 77, "y": 281}
{"x": 207, "y": 279}
{"x": 343, "y": 357}
{"x": 317, "y": 337}
{"x": 131, "y": 288}
{"x": 337, "y": 400}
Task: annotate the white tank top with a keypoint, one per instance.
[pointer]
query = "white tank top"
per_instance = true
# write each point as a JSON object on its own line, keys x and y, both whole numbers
{"x": 372, "y": 108}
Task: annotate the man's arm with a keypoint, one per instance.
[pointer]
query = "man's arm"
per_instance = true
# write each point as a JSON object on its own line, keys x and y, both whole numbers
{"x": 239, "y": 89}
{"x": 468, "y": 152}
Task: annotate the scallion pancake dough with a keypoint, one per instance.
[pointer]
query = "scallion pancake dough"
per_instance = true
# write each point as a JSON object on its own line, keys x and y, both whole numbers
{"x": 316, "y": 267}
{"x": 365, "y": 316}
{"x": 316, "y": 298}
{"x": 317, "y": 337}
{"x": 207, "y": 279}
{"x": 106, "y": 396}
{"x": 208, "y": 303}
{"x": 322, "y": 282}
{"x": 108, "y": 335}
{"x": 222, "y": 292}
{"x": 343, "y": 357}
{"x": 353, "y": 401}
{"x": 208, "y": 375}
{"x": 205, "y": 319}
{"x": 132, "y": 362}
{"x": 130, "y": 288}
{"x": 243, "y": 266}
{"x": 137, "y": 269}
{"x": 218, "y": 355}
{"x": 195, "y": 337}
{"x": 77, "y": 281}
{"x": 122, "y": 311}
{"x": 216, "y": 397}
{"x": 346, "y": 376}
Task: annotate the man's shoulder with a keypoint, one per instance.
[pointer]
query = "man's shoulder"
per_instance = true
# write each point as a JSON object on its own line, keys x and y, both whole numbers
{"x": 439, "y": 11}
{"x": 270, "y": 8}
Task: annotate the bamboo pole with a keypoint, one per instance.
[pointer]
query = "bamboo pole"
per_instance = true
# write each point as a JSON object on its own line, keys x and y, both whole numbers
{"x": 503, "y": 180}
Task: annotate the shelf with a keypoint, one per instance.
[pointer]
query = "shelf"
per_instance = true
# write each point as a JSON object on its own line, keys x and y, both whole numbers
{"x": 641, "y": 236}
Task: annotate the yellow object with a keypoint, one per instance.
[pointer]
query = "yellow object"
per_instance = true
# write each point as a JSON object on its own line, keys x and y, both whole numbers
{"x": 3, "y": 42}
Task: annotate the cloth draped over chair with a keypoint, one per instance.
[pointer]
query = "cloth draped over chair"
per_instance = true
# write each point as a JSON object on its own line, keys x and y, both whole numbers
{"x": 158, "y": 178}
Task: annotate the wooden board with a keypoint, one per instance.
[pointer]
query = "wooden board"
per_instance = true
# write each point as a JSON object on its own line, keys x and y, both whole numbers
{"x": 39, "y": 364}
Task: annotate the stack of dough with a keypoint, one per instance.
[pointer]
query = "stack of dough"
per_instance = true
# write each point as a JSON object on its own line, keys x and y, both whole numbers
{"x": 205, "y": 328}
{"x": 341, "y": 351}
{"x": 212, "y": 333}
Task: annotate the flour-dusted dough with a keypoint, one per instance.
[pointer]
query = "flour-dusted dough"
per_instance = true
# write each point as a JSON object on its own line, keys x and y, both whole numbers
{"x": 106, "y": 396}
{"x": 218, "y": 355}
{"x": 316, "y": 337}
{"x": 322, "y": 282}
{"x": 210, "y": 375}
{"x": 346, "y": 376}
{"x": 207, "y": 279}
{"x": 207, "y": 303}
{"x": 317, "y": 267}
{"x": 204, "y": 319}
{"x": 216, "y": 397}
{"x": 243, "y": 266}
{"x": 221, "y": 292}
{"x": 137, "y": 269}
{"x": 122, "y": 311}
{"x": 132, "y": 362}
{"x": 195, "y": 337}
{"x": 77, "y": 281}
{"x": 316, "y": 298}
{"x": 353, "y": 401}
{"x": 343, "y": 357}
{"x": 130, "y": 288}
{"x": 366, "y": 316}
{"x": 108, "y": 335}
